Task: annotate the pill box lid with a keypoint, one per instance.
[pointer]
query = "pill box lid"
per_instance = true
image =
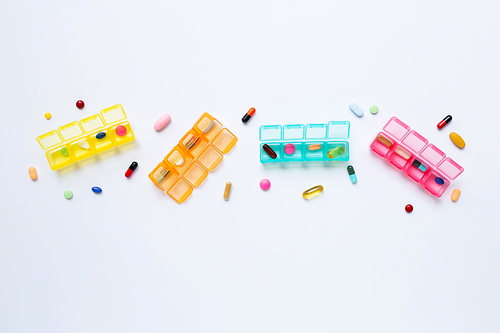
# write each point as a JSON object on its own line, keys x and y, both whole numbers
{"x": 293, "y": 132}
{"x": 113, "y": 114}
{"x": 415, "y": 142}
{"x": 316, "y": 131}
{"x": 338, "y": 130}
{"x": 396, "y": 128}
{"x": 71, "y": 131}
{"x": 92, "y": 123}
{"x": 432, "y": 155}
{"x": 270, "y": 133}
{"x": 49, "y": 140}
{"x": 450, "y": 168}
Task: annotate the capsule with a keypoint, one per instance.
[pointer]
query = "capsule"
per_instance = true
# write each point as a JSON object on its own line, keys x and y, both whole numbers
{"x": 190, "y": 141}
{"x": 32, "y": 172}
{"x": 445, "y": 121}
{"x": 269, "y": 151}
{"x": 248, "y": 115}
{"x": 227, "y": 190}
{"x": 336, "y": 152}
{"x": 131, "y": 169}
{"x": 383, "y": 140}
{"x": 419, "y": 165}
{"x": 314, "y": 147}
{"x": 312, "y": 192}
{"x": 403, "y": 153}
{"x": 352, "y": 174}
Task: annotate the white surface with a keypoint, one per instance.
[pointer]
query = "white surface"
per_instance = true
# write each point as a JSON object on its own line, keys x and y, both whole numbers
{"x": 351, "y": 260}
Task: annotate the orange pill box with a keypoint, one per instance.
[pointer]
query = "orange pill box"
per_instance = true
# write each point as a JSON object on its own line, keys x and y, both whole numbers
{"x": 82, "y": 139}
{"x": 199, "y": 152}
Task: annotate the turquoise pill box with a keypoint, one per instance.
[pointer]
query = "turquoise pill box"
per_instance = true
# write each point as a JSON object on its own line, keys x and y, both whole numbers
{"x": 312, "y": 142}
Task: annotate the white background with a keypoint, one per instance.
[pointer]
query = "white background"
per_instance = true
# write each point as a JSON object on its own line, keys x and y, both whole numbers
{"x": 350, "y": 260}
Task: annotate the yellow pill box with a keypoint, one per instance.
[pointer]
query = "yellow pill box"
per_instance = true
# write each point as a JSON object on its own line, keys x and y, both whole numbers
{"x": 199, "y": 152}
{"x": 79, "y": 137}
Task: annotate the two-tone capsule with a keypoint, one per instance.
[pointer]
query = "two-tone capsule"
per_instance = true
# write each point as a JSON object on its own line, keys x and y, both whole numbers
{"x": 248, "y": 115}
{"x": 419, "y": 165}
{"x": 445, "y": 121}
{"x": 131, "y": 169}
{"x": 352, "y": 174}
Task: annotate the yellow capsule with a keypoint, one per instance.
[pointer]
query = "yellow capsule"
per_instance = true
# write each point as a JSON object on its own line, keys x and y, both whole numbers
{"x": 48, "y": 115}
{"x": 457, "y": 140}
{"x": 383, "y": 140}
{"x": 455, "y": 195}
{"x": 227, "y": 190}
{"x": 312, "y": 192}
{"x": 336, "y": 152}
{"x": 314, "y": 147}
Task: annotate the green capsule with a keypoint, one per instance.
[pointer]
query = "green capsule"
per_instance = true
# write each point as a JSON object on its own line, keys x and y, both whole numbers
{"x": 336, "y": 152}
{"x": 64, "y": 151}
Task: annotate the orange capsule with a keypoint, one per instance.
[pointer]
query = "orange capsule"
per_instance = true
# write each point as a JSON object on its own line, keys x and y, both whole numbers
{"x": 248, "y": 115}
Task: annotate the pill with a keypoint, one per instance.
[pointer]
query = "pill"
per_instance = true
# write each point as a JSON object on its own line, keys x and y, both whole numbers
{"x": 96, "y": 189}
{"x": 356, "y": 109}
{"x": 83, "y": 144}
{"x": 190, "y": 141}
{"x": 162, "y": 122}
{"x": 227, "y": 190}
{"x": 179, "y": 161}
{"x": 419, "y": 165}
{"x": 374, "y": 109}
{"x": 100, "y": 135}
{"x": 68, "y": 194}
{"x": 314, "y": 147}
{"x": 352, "y": 174}
{"x": 383, "y": 140}
{"x": 455, "y": 194}
{"x": 336, "y": 152}
{"x": 312, "y": 192}
{"x": 48, "y": 115}
{"x": 409, "y": 208}
{"x": 64, "y": 151}
{"x": 205, "y": 125}
{"x": 439, "y": 180}
{"x": 265, "y": 184}
{"x": 445, "y": 121}
{"x": 80, "y": 104}
{"x": 131, "y": 169}
{"x": 457, "y": 140}
{"x": 32, "y": 172}
{"x": 289, "y": 149}
{"x": 120, "y": 130}
{"x": 269, "y": 151}
{"x": 403, "y": 153}
{"x": 248, "y": 115}
{"x": 160, "y": 173}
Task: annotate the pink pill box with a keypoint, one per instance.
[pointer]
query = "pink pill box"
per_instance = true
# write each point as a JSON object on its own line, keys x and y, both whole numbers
{"x": 412, "y": 153}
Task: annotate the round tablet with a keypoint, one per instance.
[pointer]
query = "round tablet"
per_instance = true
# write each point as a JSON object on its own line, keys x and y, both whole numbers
{"x": 68, "y": 194}
{"x": 374, "y": 109}
{"x": 48, "y": 115}
{"x": 265, "y": 184}
{"x": 80, "y": 104}
{"x": 409, "y": 208}
{"x": 289, "y": 149}
{"x": 121, "y": 130}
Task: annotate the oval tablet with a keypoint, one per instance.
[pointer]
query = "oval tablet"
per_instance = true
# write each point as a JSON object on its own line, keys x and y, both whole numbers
{"x": 162, "y": 122}
{"x": 64, "y": 151}
{"x": 32, "y": 172}
{"x": 455, "y": 195}
{"x": 83, "y": 144}
{"x": 457, "y": 140}
{"x": 439, "y": 180}
{"x": 356, "y": 109}
{"x": 96, "y": 189}
{"x": 100, "y": 135}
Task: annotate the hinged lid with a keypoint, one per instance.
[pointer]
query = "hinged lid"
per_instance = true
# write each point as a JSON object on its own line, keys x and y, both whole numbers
{"x": 450, "y": 168}
{"x": 70, "y": 131}
{"x": 315, "y": 131}
{"x": 415, "y": 142}
{"x": 92, "y": 123}
{"x": 293, "y": 132}
{"x": 49, "y": 140}
{"x": 433, "y": 155}
{"x": 338, "y": 130}
{"x": 270, "y": 133}
{"x": 113, "y": 114}
{"x": 396, "y": 128}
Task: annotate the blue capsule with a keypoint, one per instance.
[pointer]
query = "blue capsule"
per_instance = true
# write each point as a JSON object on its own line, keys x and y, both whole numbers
{"x": 96, "y": 189}
{"x": 439, "y": 180}
{"x": 100, "y": 135}
{"x": 352, "y": 174}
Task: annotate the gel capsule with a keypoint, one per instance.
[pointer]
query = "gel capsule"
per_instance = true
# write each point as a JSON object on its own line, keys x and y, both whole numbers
{"x": 227, "y": 190}
{"x": 248, "y": 115}
{"x": 352, "y": 174}
{"x": 131, "y": 169}
{"x": 336, "y": 152}
{"x": 312, "y": 192}
{"x": 445, "y": 121}
{"x": 269, "y": 151}
{"x": 383, "y": 140}
{"x": 314, "y": 147}
{"x": 419, "y": 165}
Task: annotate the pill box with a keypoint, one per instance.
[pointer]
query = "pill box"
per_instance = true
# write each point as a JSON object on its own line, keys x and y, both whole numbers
{"x": 438, "y": 165}
{"x": 200, "y": 150}
{"x": 85, "y": 130}
{"x": 306, "y": 139}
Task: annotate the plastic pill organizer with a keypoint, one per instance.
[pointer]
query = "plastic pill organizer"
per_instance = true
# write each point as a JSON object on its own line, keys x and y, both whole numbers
{"x": 187, "y": 165}
{"x": 304, "y": 138}
{"x": 438, "y": 165}
{"x": 83, "y": 133}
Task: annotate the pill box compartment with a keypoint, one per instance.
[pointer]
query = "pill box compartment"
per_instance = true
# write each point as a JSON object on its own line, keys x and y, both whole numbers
{"x": 335, "y": 144}
{"x": 298, "y": 154}
{"x": 315, "y": 155}
{"x": 103, "y": 144}
{"x": 430, "y": 184}
{"x": 397, "y": 160}
{"x": 378, "y": 147}
{"x": 197, "y": 147}
{"x": 175, "y": 156}
{"x": 57, "y": 160}
{"x": 163, "y": 176}
{"x": 209, "y": 158}
{"x": 195, "y": 174}
{"x": 204, "y": 122}
{"x": 180, "y": 190}
{"x": 224, "y": 141}
{"x": 277, "y": 147}
{"x": 120, "y": 140}
{"x": 413, "y": 172}
{"x": 78, "y": 153}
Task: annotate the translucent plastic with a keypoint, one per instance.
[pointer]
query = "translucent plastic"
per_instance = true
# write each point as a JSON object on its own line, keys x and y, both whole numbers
{"x": 405, "y": 149}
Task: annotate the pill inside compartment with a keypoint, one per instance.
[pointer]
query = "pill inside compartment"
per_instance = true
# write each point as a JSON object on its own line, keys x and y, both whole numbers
{"x": 120, "y": 140}
{"x": 57, "y": 160}
{"x": 382, "y": 144}
{"x": 276, "y": 147}
{"x": 103, "y": 144}
{"x": 413, "y": 170}
{"x": 163, "y": 176}
{"x": 297, "y": 155}
{"x": 208, "y": 125}
{"x": 77, "y": 151}
{"x": 429, "y": 182}
{"x": 179, "y": 159}
{"x": 399, "y": 156}
{"x": 337, "y": 151}
{"x": 193, "y": 142}
{"x": 315, "y": 151}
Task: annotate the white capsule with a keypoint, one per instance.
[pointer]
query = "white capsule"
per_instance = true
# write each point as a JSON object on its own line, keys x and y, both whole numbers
{"x": 403, "y": 153}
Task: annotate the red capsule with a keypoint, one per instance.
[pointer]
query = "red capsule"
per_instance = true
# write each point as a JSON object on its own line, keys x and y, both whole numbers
{"x": 248, "y": 115}
{"x": 445, "y": 121}
{"x": 131, "y": 169}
